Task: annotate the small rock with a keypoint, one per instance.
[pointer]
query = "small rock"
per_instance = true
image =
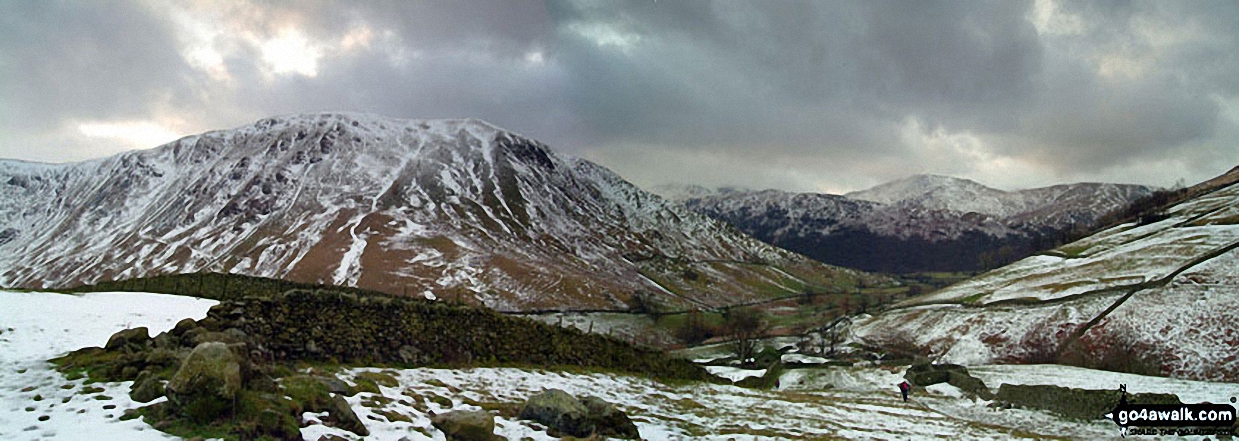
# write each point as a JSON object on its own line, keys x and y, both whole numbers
{"x": 560, "y": 411}
{"x": 183, "y": 326}
{"x": 609, "y": 420}
{"x": 127, "y": 338}
{"x": 129, "y": 414}
{"x": 345, "y": 417}
{"x": 466, "y": 425}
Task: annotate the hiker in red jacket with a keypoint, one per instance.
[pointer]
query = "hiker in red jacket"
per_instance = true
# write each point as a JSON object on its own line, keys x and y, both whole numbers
{"x": 904, "y": 388}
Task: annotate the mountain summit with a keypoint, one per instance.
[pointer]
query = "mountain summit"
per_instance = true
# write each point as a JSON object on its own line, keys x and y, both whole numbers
{"x": 455, "y": 208}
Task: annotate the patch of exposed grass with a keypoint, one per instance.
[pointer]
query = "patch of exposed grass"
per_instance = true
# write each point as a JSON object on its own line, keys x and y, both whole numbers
{"x": 378, "y": 378}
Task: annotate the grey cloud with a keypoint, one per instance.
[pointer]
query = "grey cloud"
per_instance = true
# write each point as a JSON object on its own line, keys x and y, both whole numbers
{"x": 82, "y": 59}
{"x": 800, "y": 95}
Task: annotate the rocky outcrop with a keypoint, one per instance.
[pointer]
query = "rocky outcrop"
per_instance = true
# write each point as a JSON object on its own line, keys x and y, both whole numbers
{"x": 465, "y": 425}
{"x": 207, "y": 384}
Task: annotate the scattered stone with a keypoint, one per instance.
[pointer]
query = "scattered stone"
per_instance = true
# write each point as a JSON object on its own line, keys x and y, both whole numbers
{"x": 28, "y": 389}
{"x": 207, "y": 384}
{"x": 128, "y": 338}
{"x": 130, "y": 414}
{"x": 609, "y": 420}
{"x": 129, "y": 371}
{"x": 146, "y": 388}
{"x": 560, "y": 411}
{"x": 466, "y": 425}
{"x": 183, "y": 326}
{"x": 344, "y": 416}
{"x": 334, "y": 385}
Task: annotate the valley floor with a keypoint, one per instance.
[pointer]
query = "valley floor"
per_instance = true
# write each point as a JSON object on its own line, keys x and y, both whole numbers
{"x": 37, "y": 402}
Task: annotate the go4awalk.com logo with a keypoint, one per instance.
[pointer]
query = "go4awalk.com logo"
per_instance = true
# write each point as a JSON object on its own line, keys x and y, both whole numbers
{"x": 1201, "y": 419}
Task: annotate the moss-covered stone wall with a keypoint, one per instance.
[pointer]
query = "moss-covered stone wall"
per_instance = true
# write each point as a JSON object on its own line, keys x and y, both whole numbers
{"x": 358, "y": 329}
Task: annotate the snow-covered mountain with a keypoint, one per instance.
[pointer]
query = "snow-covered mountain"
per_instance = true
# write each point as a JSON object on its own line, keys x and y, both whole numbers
{"x": 1159, "y": 296}
{"x": 456, "y": 208}
{"x": 923, "y": 223}
{"x": 684, "y": 192}
{"x": 1053, "y": 207}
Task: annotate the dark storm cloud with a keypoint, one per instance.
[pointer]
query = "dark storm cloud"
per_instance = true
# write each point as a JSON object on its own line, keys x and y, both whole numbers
{"x": 799, "y": 95}
{"x": 79, "y": 60}
{"x": 837, "y": 80}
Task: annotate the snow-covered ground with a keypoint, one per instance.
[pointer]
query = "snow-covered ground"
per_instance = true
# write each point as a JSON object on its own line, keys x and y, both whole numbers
{"x": 695, "y": 411}
{"x": 1115, "y": 259}
{"x": 36, "y": 402}
{"x": 831, "y": 402}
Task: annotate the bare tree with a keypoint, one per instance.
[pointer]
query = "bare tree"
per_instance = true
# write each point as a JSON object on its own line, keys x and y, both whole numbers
{"x": 745, "y": 326}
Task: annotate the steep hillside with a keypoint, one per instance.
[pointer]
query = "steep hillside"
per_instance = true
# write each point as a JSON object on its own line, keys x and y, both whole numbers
{"x": 1158, "y": 298}
{"x": 923, "y": 223}
{"x": 455, "y": 208}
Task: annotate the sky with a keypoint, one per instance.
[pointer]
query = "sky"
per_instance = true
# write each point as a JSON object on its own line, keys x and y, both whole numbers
{"x": 824, "y": 96}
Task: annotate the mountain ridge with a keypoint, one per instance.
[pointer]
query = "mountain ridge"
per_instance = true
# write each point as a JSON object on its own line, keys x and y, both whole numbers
{"x": 457, "y": 208}
{"x": 917, "y": 224}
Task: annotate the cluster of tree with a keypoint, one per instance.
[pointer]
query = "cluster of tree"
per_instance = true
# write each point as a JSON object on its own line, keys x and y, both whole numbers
{"x": 1148, "y": 209}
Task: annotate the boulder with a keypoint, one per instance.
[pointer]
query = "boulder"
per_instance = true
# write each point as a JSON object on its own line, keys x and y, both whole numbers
{"x": 560, "y": 411}
{"x": 466, "y": 425}
{"x": 128, "y": 338}
{"x": 183, "y": 326}
{"x": 344, "y": 416}
{"x": 208, "y": 382}
{"x": 146, "y": 388}
{"x": 609, "y": 420}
